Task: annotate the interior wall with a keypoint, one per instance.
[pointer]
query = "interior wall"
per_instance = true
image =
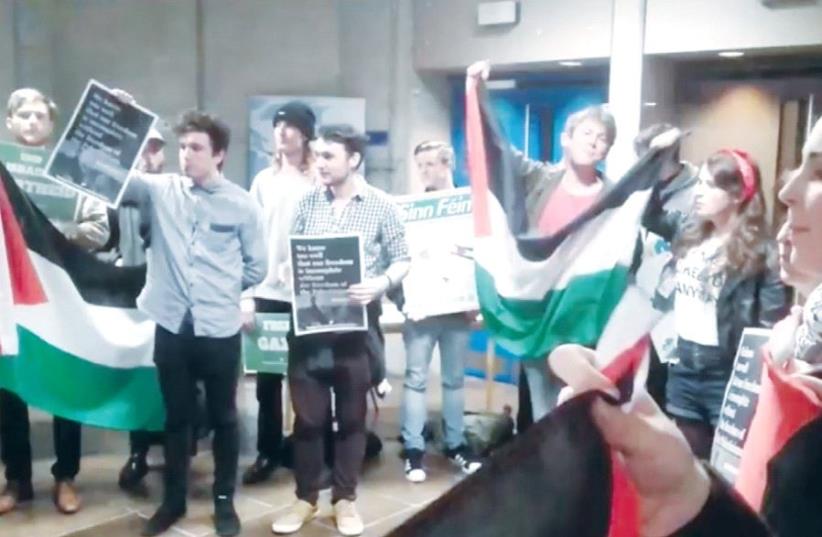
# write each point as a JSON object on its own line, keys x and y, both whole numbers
{"x": 174, "y": 55}
{"x": 447, "y": 36}
{"x": 258, "y": 47}
{"x": 734, "y": 115}
{"x": 676, "y": 26}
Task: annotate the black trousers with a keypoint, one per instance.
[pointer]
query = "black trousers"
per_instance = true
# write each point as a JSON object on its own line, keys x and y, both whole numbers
{"x": 15, "y": 441}
{"x": 270, "y": 396}
{"x": 183, "y": 359}
{"x": 318, "y": 363}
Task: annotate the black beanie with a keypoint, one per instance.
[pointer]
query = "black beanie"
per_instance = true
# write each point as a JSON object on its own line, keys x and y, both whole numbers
{"x": 299, "y": 115}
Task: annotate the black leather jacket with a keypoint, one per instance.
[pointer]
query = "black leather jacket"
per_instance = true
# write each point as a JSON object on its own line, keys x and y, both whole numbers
{"x": 746, "y": 300}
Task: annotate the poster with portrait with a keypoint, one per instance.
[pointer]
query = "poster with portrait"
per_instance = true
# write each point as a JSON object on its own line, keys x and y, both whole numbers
{"x": 323, "y": 268}
{"x": 261, "y": 109}
{"x": 101, "y": 145}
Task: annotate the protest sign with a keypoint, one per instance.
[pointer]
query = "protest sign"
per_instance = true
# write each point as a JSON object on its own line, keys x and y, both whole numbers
{"x": 265, "y": 349}
{"x": 323, "y": 268}
{"x": 739, "y": 404}
{"x": 27, "y": 165}
{"x": 440, "y": 234}
{"x": 101, "y": 145}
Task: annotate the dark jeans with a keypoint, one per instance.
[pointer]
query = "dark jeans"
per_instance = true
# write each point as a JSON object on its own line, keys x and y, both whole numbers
{"x": 345, "y": 367}
{"x": 270, "y": 396}
{"x": 696, "y": 384}
{"x": 15, "y": 441}
{"x": 183, "y": 359}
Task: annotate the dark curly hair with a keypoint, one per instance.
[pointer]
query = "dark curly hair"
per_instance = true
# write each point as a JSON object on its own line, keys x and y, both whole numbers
{"x": 746, "y": 249}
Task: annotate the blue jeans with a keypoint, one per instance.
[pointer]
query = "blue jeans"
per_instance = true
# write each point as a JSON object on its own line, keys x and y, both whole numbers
{"x": 451, "y": 333}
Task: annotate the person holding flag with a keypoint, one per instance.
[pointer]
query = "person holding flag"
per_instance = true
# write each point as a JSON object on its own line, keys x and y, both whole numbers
{"x": 30, "y": 118}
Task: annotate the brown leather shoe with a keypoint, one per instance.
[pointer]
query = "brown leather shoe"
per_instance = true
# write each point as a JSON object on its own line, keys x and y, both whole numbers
{"x": 15, "y": 493}
{"x": 66, "y": 498}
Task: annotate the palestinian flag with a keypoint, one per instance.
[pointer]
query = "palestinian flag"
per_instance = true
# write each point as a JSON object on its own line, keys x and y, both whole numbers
{"x": 536, "y": 293}
{"x": 71, "y": 340}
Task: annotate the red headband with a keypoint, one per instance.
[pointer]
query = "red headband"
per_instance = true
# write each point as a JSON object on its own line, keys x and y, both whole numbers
{"x": 746, "y": 170}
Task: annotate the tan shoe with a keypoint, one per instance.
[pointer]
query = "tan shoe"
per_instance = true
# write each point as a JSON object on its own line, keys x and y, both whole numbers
{"x": 15, "y": 493}
{"x": 66, "y": 498}
{"x": 292, "y": 520}
{"x": 349, "y": 522}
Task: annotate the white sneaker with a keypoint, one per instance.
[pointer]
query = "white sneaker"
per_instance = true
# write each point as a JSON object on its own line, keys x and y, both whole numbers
{"x": 292, "y": 520}
{"x": 414, "y": 470}
{"x": 349, "y": 522}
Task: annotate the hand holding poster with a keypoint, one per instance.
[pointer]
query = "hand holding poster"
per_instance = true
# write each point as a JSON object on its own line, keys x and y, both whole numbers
{"x": 739, "y": 404}
{"x": 27, "y": 165}
{"x": 101, "y": 145}
{"x": 323, "y": 268}
{"x": 440, "y": 234}
{"x": 265, "y": 349}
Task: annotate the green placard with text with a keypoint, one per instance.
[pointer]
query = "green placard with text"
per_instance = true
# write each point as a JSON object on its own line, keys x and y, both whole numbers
{"x": 266, "y": 349}
{"x": 26, "y": 165}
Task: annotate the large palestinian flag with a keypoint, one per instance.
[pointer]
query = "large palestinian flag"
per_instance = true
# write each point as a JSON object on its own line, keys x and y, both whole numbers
{"x": 536, "y": 293}
{"x": 71, "y": 341}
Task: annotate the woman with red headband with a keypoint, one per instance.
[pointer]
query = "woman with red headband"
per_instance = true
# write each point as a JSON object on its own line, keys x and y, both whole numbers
{"x": 726, "y": 279}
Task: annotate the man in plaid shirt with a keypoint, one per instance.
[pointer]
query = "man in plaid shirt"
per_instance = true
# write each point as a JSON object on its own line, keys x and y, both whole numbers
{"x": 341, "y": 203}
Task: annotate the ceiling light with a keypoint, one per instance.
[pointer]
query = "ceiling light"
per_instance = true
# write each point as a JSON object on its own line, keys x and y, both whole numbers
{"x": 570, "y": 63}
{"x": 731, "y": 54}
{"x": 650, "y": 104}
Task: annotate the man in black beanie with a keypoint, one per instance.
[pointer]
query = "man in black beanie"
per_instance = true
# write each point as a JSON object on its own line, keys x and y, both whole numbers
{"x": 277, "y": 189}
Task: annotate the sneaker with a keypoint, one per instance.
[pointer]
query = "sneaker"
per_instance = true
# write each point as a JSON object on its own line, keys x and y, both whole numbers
{"x": 464, "y": 459}
{"x": 292, "y": 520}
{"x": 414, "y": 472}
{"x": 349, "y": 522}
{"x": 226, "y": 521}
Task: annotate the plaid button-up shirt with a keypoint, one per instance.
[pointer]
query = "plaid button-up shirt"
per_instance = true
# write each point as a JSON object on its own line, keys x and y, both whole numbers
{"x": 371, "y": 213}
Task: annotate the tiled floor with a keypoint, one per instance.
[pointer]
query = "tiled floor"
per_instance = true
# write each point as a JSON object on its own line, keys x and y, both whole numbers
{"x": 386, "y": 499}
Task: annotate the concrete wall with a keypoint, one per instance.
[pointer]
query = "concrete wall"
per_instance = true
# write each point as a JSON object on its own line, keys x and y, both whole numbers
{"x": 258, "y": 47}
{"x": 179, "y": 54}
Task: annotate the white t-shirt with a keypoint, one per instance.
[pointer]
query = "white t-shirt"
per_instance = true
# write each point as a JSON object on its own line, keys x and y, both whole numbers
{"x": 699, "y": 280}
{"x": 277, "y": 193}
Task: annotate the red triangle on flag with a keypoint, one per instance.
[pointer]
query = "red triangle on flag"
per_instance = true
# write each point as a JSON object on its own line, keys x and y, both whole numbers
{"x": 25, "y": 284}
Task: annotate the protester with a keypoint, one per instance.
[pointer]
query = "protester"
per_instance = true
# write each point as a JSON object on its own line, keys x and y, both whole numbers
{"x": 794, "y": 480}
{"x": 555, "y": 196}
{"x": 451, "y": 333}
{"x": 675, "y": 192}
{"x": 277, "y": 189}
{"x": 342, "y": 203}
{"x": 725, "y": 281}
{"x": 134, "y": 238}
{"x": 30, "y": 117}
{"x": 207, "y": 245}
